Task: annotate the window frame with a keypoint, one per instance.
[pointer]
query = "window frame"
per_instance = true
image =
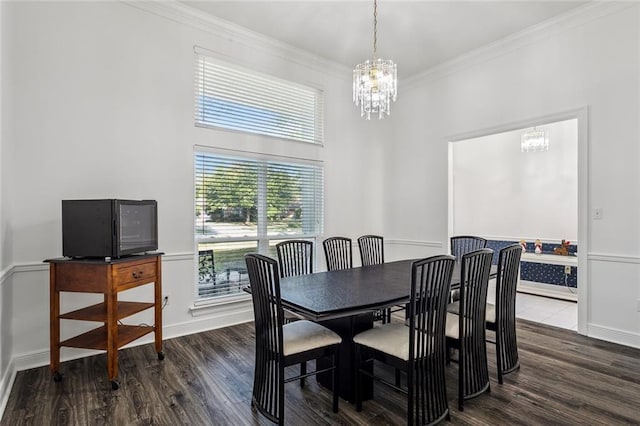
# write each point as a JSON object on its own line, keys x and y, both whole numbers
{"x": 274, "y": 107}
{"x": 264, "y": 241}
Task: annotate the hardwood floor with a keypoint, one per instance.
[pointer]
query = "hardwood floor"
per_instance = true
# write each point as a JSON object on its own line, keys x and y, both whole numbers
{"x": 206, "y": 379}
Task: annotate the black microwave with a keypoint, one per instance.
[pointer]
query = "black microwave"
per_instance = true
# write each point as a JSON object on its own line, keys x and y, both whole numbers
{"x": 109, "y": 227}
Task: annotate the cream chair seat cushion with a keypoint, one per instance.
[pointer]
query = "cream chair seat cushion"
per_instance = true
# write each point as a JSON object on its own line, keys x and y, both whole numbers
{"x": 490, "y": 313}
{"x": 452, "y": 329}
{"x": 301, "y": 336}
{"x": 392, "y": 339}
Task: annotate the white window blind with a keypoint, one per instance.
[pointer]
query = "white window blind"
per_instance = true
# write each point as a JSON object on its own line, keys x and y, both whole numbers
{"x": 247, "y": 205}
{"x": 235, "y": 98}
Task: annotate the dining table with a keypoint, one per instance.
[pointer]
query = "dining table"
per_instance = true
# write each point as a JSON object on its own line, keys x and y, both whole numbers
{"x": 344, "y": 301}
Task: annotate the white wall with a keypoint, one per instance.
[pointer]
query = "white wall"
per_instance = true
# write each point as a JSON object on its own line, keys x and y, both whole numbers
{"x": 592, "y": 61}
{"x": 105, "y": 110}
{"x": 500, "y": 192}
{"x": 6, "y": 342}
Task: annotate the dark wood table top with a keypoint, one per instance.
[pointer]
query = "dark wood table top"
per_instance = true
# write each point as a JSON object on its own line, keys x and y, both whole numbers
{"x": 335, "y": 294}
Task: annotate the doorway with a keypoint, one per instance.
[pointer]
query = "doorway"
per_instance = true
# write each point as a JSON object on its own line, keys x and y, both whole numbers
{"x": 508, "y": 193}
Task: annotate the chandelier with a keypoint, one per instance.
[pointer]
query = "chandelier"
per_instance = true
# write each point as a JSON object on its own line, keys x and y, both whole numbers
{"x": 535, "y": 140}
{"x": 375, "y": 81}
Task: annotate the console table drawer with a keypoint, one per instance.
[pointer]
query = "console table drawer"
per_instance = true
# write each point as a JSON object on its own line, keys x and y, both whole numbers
{"x": 135, "y": 274}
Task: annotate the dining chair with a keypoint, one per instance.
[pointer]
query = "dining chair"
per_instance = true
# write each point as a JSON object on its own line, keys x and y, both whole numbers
{"x": 338, "y": 253}
{"x": 280, "y": 345}
{"x": 420, "y": 349}
{"x": 372, "y": 253}
{"x": 371, "y": 249}
{"x": 466, "y": 330}
{"x": 501, "y": 317}
{"x": 295, "y": 257}
{"x": 463, "y": 244}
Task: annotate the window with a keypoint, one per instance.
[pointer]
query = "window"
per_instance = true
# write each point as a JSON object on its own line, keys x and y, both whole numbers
{"x": 235, "y": 98}
{"x": 247, "y": 205}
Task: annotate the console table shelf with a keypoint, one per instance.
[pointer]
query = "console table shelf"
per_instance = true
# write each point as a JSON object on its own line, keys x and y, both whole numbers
{"x": 108, "y": 277}
{"x": 99, "y": 312}
{"x": 97, "y": 338}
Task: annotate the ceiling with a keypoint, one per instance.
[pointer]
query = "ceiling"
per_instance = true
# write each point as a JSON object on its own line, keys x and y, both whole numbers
{"x": 417, "y": 35}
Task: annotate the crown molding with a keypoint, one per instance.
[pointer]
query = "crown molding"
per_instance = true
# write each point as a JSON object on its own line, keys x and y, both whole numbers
{"x": 186, "y": 15}
{"x": 556, "y": 25}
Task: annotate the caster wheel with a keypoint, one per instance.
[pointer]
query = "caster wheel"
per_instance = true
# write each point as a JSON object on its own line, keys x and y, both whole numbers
{"x": 57, "y": 377}
{"x": 115, "y": 384}
{"x": 160, "y": 356}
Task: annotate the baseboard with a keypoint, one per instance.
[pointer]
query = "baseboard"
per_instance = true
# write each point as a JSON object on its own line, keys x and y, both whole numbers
{"x": 548, "y": 290}
{"x": 41, "y": 358}
{"x": 614, "y": 335}
{"x": 5, "y": 386}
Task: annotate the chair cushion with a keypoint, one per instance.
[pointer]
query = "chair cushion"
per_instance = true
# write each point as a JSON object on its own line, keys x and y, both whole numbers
{"x": 454, "y": 307}
{"x": 490, "y": 315}
{"x": 392, "y": 339}
{"x": 452, "y": 328}
{"x": 301, "y": 336}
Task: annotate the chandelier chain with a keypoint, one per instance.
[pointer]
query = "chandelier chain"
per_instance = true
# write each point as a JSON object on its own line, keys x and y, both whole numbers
{"x": 375, "y": 29}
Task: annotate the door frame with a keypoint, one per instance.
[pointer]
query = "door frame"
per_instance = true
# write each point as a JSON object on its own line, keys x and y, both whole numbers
{"x": 584, "y": 207}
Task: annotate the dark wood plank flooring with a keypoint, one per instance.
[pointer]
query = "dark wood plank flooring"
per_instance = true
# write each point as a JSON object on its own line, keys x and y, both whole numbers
{"x": 206, "y": 379}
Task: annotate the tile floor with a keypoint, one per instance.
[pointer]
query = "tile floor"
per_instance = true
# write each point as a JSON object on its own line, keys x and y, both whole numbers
{"x": 545, "y": 310}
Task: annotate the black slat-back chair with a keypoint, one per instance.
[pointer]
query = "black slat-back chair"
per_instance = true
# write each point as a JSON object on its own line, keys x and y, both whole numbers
{"x": 371, "y": 250}
{"x": 281, "y": 345}
{"x": 420, "y": 349}
{"x": 338, "y": 253}
{"x": 463, "y": 244}
{"x": 466, "y": 330}
{"x": 501, "y": 317}
{"x": 295, "y": 257}
{"x": 372, "y": 253}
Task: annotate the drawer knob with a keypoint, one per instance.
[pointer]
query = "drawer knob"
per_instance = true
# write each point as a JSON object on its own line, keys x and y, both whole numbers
{"x": 137, "y": 274}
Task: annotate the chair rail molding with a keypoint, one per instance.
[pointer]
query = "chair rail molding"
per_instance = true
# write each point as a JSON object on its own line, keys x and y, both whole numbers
{"x": 618, "y": 258}
{"x": 420, "y": 243}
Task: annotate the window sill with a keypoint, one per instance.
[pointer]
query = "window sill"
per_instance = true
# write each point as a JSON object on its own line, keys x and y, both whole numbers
{"x": 216, "y": 305}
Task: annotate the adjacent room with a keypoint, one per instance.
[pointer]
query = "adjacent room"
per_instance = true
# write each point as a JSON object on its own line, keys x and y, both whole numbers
{"x": 521, "y": 186}
{"x": 205, "y": 203}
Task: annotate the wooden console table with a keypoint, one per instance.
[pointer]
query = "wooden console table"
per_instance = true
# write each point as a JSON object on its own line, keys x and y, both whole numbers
{"x": 108, "y": 277}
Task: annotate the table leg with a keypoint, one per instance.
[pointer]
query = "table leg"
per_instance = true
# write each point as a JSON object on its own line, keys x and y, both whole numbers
{"x": 347, "y": 328}
{"x": 112, "y": 338}
{"x": 158, "y": 310}
{"x": 54, "y": 325}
